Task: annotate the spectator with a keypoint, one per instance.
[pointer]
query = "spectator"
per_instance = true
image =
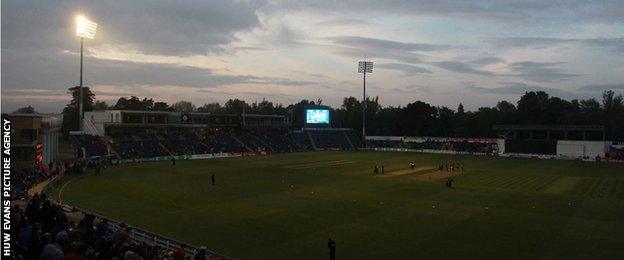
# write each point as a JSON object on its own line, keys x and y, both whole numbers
{"x": 52, "y": 251}
{"x": 202, "y": 254}
{"x": 102, "y": 229}
{"x": 180, "y": 254}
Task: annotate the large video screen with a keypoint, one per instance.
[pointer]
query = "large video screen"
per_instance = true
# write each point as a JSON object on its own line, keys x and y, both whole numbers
{"x": 317, "y": 116}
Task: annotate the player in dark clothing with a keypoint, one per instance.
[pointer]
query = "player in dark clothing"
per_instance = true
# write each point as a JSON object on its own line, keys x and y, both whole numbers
{"x": 213, "y": 179}
{"x": 173, "y": 160}
{"x": 332, "y": 249}
{"x": 449, "y": 182}
{"x": 412, "y": 165}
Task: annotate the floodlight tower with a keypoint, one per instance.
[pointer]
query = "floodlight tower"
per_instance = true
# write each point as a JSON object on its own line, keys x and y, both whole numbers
{"x": 364, "y": 67}
{"x": 84, "y": 29}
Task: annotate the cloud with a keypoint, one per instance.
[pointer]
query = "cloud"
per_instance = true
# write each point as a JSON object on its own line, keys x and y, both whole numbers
{"x": 500, "y": 11}
{"x": 405, "y": 69}
{"x": 360, "y": 47}
{"x": 418, "y": 88}
{"x": 289, "y": 37}
{"x": 486, "y": 60}
{"x": 373, "y": 44}
{"x": 517, "y": 88}
{"x": 343, "y": 22}
{"x": 611, "y": 44}
{"x": 153, "y": 27}
{"x": 601, "y": 87}
{"x": 539, "y": 71}
{"x": 461, "y": 67}
{"x": 59, "y": 71}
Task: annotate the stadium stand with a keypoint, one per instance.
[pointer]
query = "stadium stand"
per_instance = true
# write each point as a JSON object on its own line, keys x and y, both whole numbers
{"x": 279, "y": 141}
{"x": 137, "y": 135}
{"x": 24, "y": 179}
{"x": 616, "y": 153}
{"x": 330, "y": 139}
{"x": 430, "y": 144}
{"x": 93, "y": 145}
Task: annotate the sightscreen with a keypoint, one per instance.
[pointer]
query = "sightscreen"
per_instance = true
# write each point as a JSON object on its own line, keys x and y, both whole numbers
{"x": 317, "y": 116}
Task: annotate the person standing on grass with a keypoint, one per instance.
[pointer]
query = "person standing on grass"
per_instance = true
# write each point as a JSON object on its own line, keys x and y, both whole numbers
{"x": 332, "y": 249}
{"x": 213, "y": 179}
{"x": 173, "y": 160}
{"x": 98, "y": 168}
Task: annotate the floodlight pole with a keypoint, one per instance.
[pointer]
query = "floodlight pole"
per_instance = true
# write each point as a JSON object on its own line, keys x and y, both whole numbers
{"x": 363, "y": 67}
{"x": 80, "y": 115}
{"x": 364, "y": 110}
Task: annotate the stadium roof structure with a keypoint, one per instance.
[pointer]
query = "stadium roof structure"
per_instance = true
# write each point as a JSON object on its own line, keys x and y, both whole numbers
{"x": 551, "y": 132}
{"x": 551, "y": 127}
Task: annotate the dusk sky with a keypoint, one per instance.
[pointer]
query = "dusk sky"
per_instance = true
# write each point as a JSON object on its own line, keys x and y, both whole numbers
{"x": 442, "y": 52}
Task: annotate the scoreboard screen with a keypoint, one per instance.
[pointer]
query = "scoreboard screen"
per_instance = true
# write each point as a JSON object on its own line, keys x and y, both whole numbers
{"x": 317, "y": 116}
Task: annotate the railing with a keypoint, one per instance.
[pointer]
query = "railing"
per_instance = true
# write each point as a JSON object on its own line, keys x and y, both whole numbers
{"x": 137, "y": 234}
{"x": 91, "y": 127}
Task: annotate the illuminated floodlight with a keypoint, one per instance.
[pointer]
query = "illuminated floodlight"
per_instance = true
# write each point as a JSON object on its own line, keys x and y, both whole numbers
{"x": 85, "y": 28}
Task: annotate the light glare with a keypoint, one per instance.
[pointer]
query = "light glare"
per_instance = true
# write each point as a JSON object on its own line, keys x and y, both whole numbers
{"x": 85, "y": 28}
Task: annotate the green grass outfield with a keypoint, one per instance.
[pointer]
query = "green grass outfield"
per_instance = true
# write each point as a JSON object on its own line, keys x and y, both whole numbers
{"x": 287, "y": 206}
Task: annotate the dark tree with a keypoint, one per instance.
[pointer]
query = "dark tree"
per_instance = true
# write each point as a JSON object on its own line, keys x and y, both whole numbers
{"x": 25, "y": 110}
{"x": 70, "y": 112}
{"x": 100, "y": 106}
{"x": 161, "y": 106}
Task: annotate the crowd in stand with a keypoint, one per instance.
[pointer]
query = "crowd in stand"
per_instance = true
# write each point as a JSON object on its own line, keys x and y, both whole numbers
{"x": 93, "y": 145}
{"x": 135, "y": 144}
{"x": 616, "y": 153}
{"x": 458, "y": 146}
{"x": 44, "y": 231}
{"x": 280, "y": 141}
{"x": 24, "y": 179}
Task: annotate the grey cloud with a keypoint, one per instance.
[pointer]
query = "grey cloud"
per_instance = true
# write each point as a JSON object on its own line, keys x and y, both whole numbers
{"x": 487, "y": 60}
{"x": 360, "y": 47}
{"x": 59, "y": 71}
{"x": 289, "y": 37}
{"x": 373, "y": 44}
{"x": 154, "y": 27}
{"x": 405, "y": 69}
{"x": 343, "y": 22}
{"x": 518, "y": 88}
{"x": 611, "y": 44}
{"x": 601, "y": 87}
{"x": 539, "y": 71}
{"x": 407, "y": 57}
{"x": 461, "y": 67}
{"x": 250, "y": 93}
{"x": 502, "y": 11}
{"x": 418, "y": 88}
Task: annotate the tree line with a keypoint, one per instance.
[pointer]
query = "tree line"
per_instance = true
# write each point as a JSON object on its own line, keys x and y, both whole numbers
{"x": 414, "y": 119}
